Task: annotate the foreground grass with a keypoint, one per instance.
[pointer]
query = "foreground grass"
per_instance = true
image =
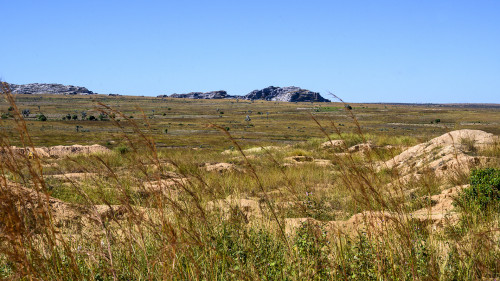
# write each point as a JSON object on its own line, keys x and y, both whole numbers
{"x": 176, "y": 232}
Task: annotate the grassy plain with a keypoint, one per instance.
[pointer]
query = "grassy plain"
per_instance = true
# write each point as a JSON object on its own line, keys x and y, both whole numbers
{"x": 152, "y": 208}
{"x": 271, "y": 122}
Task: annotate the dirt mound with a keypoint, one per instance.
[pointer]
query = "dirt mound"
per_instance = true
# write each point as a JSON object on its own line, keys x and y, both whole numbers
{"x": 333, "y": 144}
{"x": 58, "y": 151}
{"x": 221, "y": 167}
{"x": 362, "y": 147}
{"x": 439, "y": 214}
{"x": 36, "y": 209}
{"x": 234, "y": 208}
{"x": 72, "y": 176}
{"x": 442, "y": 208}
{"x": 258, "y": 149}
{"x": 297, "y": 160}
{"x": 444, "y": 153}
{"x": 61, "y": 150}
{"x": 171, "y": 188}
{"x": 32, "y": 206}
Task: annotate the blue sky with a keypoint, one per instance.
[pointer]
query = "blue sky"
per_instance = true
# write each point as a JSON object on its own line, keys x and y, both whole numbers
{"x": 363, "y": 51}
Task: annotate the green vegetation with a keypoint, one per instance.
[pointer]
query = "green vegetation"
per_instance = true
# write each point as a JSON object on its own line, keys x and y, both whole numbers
{"x": 151, "y": 209}
{"x": 41, "y": 117}
{"x": 484, "y": 191}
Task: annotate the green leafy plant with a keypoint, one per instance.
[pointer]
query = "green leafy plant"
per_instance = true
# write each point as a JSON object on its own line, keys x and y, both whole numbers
{"x": 484, "y": 191}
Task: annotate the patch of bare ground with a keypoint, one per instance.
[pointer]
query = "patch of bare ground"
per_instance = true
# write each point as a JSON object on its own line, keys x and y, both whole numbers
{"x": 221, "y": 167}
{"x": 72, "y": 176}
{"x": 231, "y": 208}
{"x": 58, "y": 151}
{"x": 299, "y": 160}
{"x": 252, "y": 150}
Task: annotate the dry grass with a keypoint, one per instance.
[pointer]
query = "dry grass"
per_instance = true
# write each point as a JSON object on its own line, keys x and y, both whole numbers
{"x": 150, "y": 213}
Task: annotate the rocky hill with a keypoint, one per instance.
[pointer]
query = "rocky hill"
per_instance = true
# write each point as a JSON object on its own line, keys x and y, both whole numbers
{"x": 200, "y": 95}
{"x": 288, "y": 94}
{"x": 37, "y": 88}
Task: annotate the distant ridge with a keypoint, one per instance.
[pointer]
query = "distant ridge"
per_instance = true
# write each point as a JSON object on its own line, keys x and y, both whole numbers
{"x": 56, "y": 89}
{"x": 271, "y": 93}
{"x": 200, "y": 95}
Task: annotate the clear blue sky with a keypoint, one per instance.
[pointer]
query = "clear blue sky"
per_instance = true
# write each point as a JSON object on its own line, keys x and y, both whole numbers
{"x": 363, "y": 51}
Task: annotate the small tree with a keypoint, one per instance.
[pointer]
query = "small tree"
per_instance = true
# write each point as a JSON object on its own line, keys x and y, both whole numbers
{"x": 92, "y": 118}
{"x": 102, "y": 117}
{"x": 25, "y": 113}
{"x": 74, "y": 117}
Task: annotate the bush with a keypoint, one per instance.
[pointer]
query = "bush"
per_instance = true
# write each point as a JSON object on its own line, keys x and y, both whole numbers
{"x": 41, "y": 117}
{"x": 484, "y": 190}
{"x": 102, "y": 117}
{"x": 122, "y": 149}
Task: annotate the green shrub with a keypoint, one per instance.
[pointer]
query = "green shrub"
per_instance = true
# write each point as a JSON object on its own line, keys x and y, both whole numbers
{"x": 122, "y": 149}
{"x": 41, "y": 117}
{"x": 484, "y": 190}
{"x": 102, "y": 117}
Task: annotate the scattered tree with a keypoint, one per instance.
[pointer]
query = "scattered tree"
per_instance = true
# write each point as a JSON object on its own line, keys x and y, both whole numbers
{"x": 102, "y": 117}
{"x": 26, "y": 113}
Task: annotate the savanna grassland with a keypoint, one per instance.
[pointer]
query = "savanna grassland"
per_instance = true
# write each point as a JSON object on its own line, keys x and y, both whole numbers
{"x": 185, "y": 189}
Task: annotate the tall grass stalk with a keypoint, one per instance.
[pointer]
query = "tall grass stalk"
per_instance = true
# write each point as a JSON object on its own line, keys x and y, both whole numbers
{"x": 146, "y": 214}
